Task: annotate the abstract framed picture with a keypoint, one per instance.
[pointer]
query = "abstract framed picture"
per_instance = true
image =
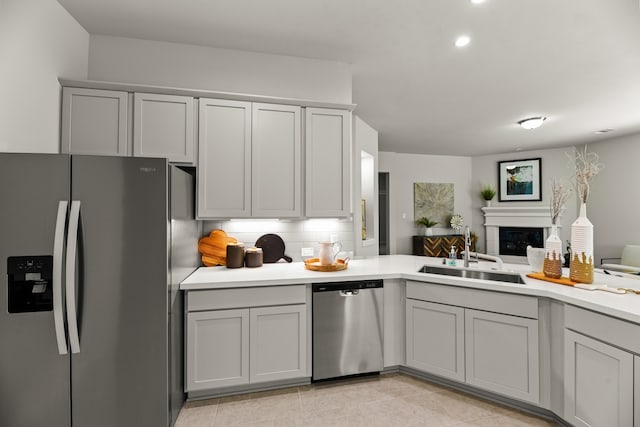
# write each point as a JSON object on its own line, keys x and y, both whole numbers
{"x": 520, "y": 180}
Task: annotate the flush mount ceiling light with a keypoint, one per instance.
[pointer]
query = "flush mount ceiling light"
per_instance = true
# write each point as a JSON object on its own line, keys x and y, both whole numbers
{"x": 532, "y": 122}
{"x": 601, "y": 131}
{"x": 462, "y": 41}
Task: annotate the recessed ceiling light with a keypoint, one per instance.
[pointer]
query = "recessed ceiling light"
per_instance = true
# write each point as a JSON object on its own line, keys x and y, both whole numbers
{"x": 604, "y": 131}
{"x": 477, "y": 1}
{"x": 532, "y": 122}
{"x": 462, "y": 41}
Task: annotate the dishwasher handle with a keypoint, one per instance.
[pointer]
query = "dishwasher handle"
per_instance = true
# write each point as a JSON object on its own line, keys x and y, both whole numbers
{"x": 349, "y": 292}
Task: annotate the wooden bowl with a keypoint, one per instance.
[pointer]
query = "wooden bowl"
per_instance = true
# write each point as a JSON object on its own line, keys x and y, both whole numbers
{"x": 314, "y": 265}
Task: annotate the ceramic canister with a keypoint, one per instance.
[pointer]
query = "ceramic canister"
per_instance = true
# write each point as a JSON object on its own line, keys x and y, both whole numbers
{"x": 253, "y": 257}
{"x": 235, "y": 255}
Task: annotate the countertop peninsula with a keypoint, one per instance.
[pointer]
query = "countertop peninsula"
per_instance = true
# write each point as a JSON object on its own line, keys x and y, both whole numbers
{"x": 625, "y": 306}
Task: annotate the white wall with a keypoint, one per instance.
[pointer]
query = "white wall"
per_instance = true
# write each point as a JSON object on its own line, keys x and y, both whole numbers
{"x": 614, "y": 203}
{"x": 197, "y": 67}
{"x": 39, "y": 42}
{"x": 404, "y": 170}
{"x": 554, "y": 163}
{"x": 365, "y": 138}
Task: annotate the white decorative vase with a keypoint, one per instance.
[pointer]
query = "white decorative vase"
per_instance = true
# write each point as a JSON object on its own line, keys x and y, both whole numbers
{"x": 487, "y": 203}
{"x": 553, "y": 255}
{"x": 581, "y": 267}
{"x": 428, "y": 231}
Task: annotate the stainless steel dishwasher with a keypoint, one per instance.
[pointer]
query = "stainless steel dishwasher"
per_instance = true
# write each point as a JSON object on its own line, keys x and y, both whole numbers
{"x": 347, "y": 328}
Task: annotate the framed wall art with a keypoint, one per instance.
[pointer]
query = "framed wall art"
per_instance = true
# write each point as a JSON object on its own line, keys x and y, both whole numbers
{"x": 434, "y": 201}
{"x": 520, "y": 180}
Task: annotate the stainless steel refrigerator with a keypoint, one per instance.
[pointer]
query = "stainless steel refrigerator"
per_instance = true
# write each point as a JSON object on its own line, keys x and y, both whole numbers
{"x": 92, "y": 250}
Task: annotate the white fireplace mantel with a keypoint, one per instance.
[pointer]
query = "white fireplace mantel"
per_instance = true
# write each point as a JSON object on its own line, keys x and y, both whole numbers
{"x": 516, "y": 216}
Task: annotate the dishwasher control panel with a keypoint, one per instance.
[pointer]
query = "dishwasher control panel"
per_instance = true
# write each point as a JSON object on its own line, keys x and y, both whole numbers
{"x": 340, "y": 286}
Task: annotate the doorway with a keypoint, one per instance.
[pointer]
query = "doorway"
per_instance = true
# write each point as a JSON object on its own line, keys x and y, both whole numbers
{"x": 383, "y": 213}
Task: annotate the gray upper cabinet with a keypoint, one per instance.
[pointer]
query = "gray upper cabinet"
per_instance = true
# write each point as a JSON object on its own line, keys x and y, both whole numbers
{"x": 224, "y": 159}
{"x": 249, "y": 160}
{"x": 94, "y": 122}
{"x": 164, "y": 127}
{"x": 276, "y": 158}
{"x": 328, "y": 162}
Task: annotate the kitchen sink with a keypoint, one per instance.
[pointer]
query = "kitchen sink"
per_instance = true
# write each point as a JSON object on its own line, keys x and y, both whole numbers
{"x": 473, "y": 274}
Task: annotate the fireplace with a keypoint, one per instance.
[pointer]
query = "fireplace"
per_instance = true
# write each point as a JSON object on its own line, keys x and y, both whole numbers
{"x": 514, "y": 240}
{"x": 521, "y": 221}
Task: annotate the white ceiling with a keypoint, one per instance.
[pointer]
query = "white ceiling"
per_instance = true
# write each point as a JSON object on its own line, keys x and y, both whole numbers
{"x": 575, "y": 61}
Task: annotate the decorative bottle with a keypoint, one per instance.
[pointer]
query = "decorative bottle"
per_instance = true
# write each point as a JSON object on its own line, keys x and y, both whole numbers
{"x": 581, "y": 266}
{"x": 553, "y": 255}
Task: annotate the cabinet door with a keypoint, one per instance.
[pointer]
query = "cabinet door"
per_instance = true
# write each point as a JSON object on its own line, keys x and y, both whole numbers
{"x": 435, "y": 338}
{"x": 278, "y": 343}
{"x": 276, "y": 159}
{"x": 328, "y": 162}
{"x": 636, "y": 394}
{"x": 217, "y": 349}
{"x": 94, "y": 122}
{"x": 598, "y": 383}
{"x": 163, "y": 127}
{"x": 502, "y": 354}
{"x": 224, "y": 159}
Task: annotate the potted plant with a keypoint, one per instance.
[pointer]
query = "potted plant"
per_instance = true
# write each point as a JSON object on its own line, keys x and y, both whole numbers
{"x": 488, "y": 193}
{"x": 427, "y": 224}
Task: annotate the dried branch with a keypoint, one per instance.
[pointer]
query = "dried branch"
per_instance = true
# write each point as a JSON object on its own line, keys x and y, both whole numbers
{"x": 586, "y": 167}
{"x": 559, "y": 194}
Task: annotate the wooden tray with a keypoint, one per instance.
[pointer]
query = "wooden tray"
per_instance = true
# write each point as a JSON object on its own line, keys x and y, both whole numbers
{"x": 314, "y": 265}
{"x": 561, "y": 281}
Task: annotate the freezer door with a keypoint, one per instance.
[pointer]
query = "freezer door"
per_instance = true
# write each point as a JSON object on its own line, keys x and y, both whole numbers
{"x": 119, "y": 375}
{"x": 34, "y": 377}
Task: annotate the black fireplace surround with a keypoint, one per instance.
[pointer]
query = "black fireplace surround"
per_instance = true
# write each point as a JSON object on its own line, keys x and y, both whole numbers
{"x": 514, "y": 240}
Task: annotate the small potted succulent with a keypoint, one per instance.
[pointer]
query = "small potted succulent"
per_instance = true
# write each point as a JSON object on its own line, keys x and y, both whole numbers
{"x": 427, "y": 224}
{"x": 488, "y": 193}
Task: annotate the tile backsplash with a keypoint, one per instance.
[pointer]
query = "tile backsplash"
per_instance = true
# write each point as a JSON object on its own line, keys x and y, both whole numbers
{"x": 296, "y": 234}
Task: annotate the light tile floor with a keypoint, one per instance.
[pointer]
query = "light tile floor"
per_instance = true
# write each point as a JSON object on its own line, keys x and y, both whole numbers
{"x": 387, "y": 400}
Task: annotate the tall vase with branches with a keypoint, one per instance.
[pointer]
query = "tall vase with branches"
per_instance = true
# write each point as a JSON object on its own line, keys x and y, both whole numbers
{"x": 553, "y": 246}
{"x": 586, "y": 165}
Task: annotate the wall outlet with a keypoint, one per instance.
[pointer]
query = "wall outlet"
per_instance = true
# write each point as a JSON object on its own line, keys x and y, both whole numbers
{"x": 306, "y": 252}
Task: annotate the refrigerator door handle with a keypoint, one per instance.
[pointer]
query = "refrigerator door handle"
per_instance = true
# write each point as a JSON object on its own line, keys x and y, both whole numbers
{"x": 72, "y": 246}
{"x": 58, "y": 254}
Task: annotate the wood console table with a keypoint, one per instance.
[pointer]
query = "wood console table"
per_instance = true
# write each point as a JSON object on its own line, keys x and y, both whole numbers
{"x": 439, "y": 246}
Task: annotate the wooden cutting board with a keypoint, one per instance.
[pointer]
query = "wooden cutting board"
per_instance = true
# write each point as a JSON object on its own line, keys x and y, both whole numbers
{"x": 561, "y": 281}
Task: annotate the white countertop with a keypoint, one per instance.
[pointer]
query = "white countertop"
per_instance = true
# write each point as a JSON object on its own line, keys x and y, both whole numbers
{"x": 625, "y": 306}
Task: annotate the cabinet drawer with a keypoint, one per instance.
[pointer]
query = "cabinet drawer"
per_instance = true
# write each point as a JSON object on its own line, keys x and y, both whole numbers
{"x": 608, "y": 329}
{"x": 245, "y": 297}
{"x": 497, "y": 302}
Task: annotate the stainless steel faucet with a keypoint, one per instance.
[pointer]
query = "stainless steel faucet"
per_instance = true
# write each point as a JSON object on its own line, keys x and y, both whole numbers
{"x": 467, "y": 245}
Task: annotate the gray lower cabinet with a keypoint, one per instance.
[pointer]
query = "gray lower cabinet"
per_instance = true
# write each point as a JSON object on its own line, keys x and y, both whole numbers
{"x": 502, "y": 354}
{"x": 94, "y": 122}
{"x": 278, "y": 348}
{"x": 246, "y": 336}
{"x": 435, "y": 338}
{"x": 217, "y": 349}
{"x": 599, "y": 389}
{"x": 486, "y": 339}
{"x": 636, "y": 387}
{"x": 163, "y": 126}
